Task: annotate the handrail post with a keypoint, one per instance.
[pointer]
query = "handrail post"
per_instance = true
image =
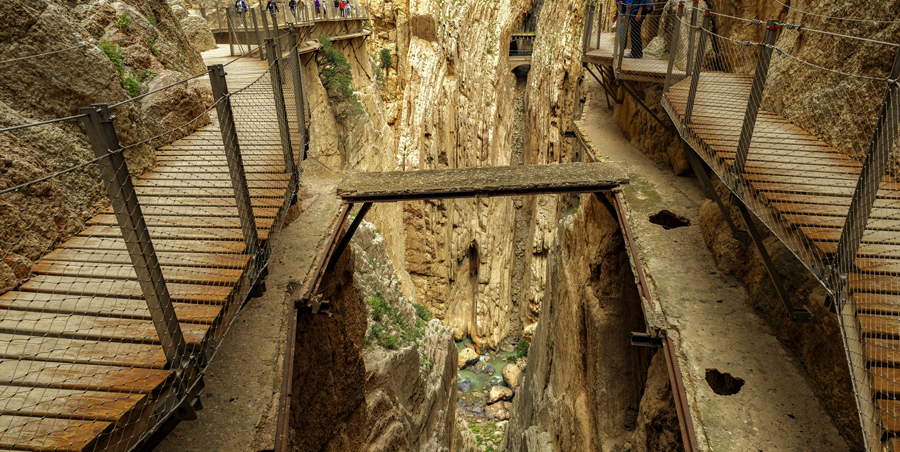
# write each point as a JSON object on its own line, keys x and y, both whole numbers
{"x": 232, "y": 36}
{"x": 113, "y": 170}
{"x": 233, "y": 156}
{"x": 299, "y": 93}
{"x": 259, "y": 42}
{"x": 691, "y": 38}
{"x": 219, "y": 16}
{"x": 673, "y": 47}
{"x": 753, "y": 104}
{"x": 599, "y": 24}
{"x": 867, "y": 185}
{"x": 588, "y": 27}
{"x": 698, "y": 59}
{"x": 265, "y": 20}
{"x": 280, "y": 109}
{"x": 624, "y": 31}
{"x": 246, "y": 35}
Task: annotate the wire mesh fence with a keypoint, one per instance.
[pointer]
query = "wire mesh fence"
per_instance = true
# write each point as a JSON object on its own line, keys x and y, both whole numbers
{"x": 635, "y": 43}
{"x": 115, "y": 291}
{"x": 810, "y": 149}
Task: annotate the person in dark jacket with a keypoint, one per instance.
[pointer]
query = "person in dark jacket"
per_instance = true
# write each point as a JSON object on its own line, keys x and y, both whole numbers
{"x": 272, "y": 8}
{"x": 639, "y": 11}
{"x": 240, "y": 7}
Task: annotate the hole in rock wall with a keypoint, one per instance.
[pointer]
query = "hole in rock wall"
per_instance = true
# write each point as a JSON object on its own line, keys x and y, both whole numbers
{"x": 473, "y": 260}
{"x": 723, "y": 383}
{"x": 669, "y": 220}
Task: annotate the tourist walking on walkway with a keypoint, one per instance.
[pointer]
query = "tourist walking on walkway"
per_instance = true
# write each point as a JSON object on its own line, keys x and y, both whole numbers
{"x": 272, "y": 8}
{"x": 293, "y": 6}
{"x": 318, "y": 10}
{"x": 240, "y": 7}
{"x": 337, "y": 7}
{"x": 639, "y": 10}
{"x": 342, "y": 4}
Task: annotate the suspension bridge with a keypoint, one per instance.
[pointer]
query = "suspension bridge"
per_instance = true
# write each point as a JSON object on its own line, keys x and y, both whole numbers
{"x": 734, "y": 104}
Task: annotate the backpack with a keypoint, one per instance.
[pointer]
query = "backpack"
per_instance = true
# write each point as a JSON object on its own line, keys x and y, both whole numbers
{"x": 648, "y": 7}
{"x": 239, "y": 5}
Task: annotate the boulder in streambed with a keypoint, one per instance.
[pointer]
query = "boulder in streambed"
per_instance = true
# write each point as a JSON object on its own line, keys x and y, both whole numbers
{"x": 479, "y": 367}
{"x": 499, "y": 393}
{"x": 465, "y": 385}
{"x": 489, "y": 369}
{"x": 512, "y": 375}
{"x": 496, "y": 411}
{"x": 467, "y": 356}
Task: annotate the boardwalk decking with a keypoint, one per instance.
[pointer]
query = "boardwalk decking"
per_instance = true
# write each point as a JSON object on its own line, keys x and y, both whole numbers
{"x": 81, "y": 367}
{"x": 646, "y": 69}
{"x": 801, "y": 188}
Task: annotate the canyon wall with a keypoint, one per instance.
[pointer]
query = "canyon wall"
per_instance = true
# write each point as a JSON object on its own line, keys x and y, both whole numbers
{"x": 355, "y": 388}
{"x": 584, "y": 381}
{"x": 451, "y": 106}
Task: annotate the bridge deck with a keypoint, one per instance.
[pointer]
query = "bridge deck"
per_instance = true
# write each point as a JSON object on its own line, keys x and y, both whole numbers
{"x": 82, "y": 368}
{"x": 481, "y": 181}
{"x": 646, "y": 69}
{"x": 801, "y": 188}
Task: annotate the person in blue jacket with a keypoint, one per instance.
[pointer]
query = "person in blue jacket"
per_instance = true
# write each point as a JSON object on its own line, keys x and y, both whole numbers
{"x": 240, "y": 7}
{"x": 293, "y": 6}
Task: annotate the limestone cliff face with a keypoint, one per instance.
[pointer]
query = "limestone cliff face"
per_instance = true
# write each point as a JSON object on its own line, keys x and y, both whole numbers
{"x": 584, "y": 381}
{"x": 356, "y": 391}
{"x": 455, "y": 110}
{"x": 57, "y": 85}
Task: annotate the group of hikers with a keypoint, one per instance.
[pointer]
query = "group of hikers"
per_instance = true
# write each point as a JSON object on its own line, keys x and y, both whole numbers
{"x": 343, "y": 6}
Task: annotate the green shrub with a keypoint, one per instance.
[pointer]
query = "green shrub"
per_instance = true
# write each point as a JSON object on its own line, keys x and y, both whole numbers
{"x": 422, "y": 312}
{"x": 336, "y": 73}
{"x": 386, "y": 59}
{"x": 379, "y": 305}
{"x": 388, "y": 341}
{"x": 114, "y": 53}
{"x": 520, "y": 351}
{"x": 146, "y": 75}
{"x": 132, "y": 85}
{"x": 151, "y": 44}
{"x": 151, "y": 20}
{"x": 123, "y": 22}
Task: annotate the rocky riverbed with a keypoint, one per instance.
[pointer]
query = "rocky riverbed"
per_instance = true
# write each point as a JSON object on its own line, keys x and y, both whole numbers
{"x": 486, "y": 382}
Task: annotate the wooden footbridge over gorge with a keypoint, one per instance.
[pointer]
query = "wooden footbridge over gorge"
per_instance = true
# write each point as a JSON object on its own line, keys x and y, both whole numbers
{"x": 803, "y": 149}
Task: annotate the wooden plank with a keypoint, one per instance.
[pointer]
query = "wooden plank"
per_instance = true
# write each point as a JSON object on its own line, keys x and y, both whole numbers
{"x": 210, "y": 175}
{"x": 176, "y": 202}
{"x": 881, "y": 265}
{"x": 83, "y": 376}
{"x": 184, "y": 221}
{"x": 879, "y": 327}
{"x": 199, "y": 190}
{"x": 838, "y": 222}
{"x": 188, "y": 293}
{"x": 482, "y": 181}
{"x": 166, "y": 258}
{"x": 189, "y": 275}
{"x": 890, "y": 414}
{"x": 115, "y": 407}
{"x": 176, "y": 233}
{"x": 201, "y": 211}
{"x": 162, "y": 245}
{"x": 217, "y": 183}
{"x": 876, "y": 303}
{"x": 79, "y": 351}
{"x": 102, "y": 307}
{"x": 884, "y": 284}
{"x": 826, "y": 200}
{"x": 821, "y": 234}
{"x": 88, "y": 327}
{"x": 50, "y": 434}
{"x": 883, "y": 351}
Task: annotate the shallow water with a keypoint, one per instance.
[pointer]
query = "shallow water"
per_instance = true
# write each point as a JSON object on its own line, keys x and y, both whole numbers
{"x": 498, "y": 360}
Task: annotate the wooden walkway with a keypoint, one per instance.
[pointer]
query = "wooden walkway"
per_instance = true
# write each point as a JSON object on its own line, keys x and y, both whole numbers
{"x": 646, "y": 69}
{"x": 82, "y": 368}
{"x": 801, "y": 188}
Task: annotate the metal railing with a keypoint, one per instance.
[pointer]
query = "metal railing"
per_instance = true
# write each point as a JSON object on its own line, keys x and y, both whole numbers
{"x": 125, "y": 308}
